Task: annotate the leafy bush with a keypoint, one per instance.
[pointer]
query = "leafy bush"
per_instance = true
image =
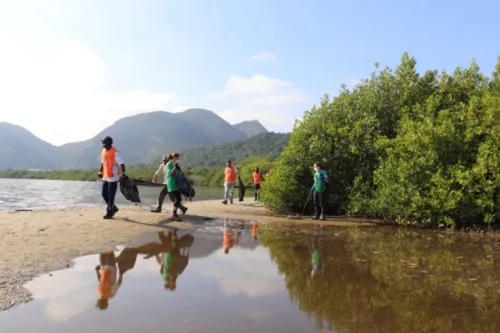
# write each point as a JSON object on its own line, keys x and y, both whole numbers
{"x": 402, "y": 146}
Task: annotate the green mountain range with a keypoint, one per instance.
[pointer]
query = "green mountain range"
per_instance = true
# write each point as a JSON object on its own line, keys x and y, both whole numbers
{"x": 141, "y": 139}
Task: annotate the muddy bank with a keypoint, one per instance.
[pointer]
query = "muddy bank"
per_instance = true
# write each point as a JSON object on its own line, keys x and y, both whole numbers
{"x": 32, "y": 243}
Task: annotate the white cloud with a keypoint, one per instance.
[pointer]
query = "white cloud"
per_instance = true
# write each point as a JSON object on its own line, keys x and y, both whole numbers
{"x": 264, "y": 56}
{"x": 65, "y": 84}
{"x": 270, "y": 100}
{"x": 252, "y": 273}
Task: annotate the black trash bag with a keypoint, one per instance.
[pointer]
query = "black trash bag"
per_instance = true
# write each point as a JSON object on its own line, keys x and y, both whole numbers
{"x": 241, "y": 187}
{"x": 185, "y": 185}
{"x": 129, "y": 189}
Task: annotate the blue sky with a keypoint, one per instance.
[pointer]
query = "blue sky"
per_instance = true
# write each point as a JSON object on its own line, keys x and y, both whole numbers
{"x": 85, "y": 63}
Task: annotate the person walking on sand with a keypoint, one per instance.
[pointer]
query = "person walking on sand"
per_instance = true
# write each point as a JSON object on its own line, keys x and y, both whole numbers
{"x": 230, "y": 174}
{"x": 173, "y": 185}
{"x": 160, "y": 176}
{"x": 257, "y": 178}
{"x": 318, "y": 189}
{"x": 111, "y": 171}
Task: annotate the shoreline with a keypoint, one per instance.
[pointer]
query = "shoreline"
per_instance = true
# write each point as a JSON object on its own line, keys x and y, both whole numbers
{"x": 39, "y": 241}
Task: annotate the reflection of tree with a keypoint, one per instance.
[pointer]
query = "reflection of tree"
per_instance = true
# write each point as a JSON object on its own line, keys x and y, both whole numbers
{"x": 385, "y": 281}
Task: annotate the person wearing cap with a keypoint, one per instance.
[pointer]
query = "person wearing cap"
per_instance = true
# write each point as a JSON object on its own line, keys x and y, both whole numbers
{"x": 160, "y": 176}
{"x": 111, "y": 171}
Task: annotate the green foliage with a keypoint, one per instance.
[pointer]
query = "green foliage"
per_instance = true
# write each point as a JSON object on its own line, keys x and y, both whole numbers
{"x": 381, "y": 280}
{"x": 200, "y": 175}
{"x": 406, "y": 147}
{"x": 265, "y": 144}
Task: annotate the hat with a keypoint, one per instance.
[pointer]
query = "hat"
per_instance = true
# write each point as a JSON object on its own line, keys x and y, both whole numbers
{"x": 107, "y": 140}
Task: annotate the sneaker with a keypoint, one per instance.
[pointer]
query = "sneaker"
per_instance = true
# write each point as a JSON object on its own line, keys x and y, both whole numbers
{"x": 115, "y": 210}
{"x": 156, "y": 210}
{"x": 108, "y": 217}
{"x": 184, "y": 210}
{"x": 322, "y": 217}
{"x": 224, "y": 202}
{"x": 316, "y": 217}
{"x": 176, "y": 218}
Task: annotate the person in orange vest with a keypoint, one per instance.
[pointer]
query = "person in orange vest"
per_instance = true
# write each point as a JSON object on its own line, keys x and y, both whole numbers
{"x": 106, "y": 275}
{"x": 255, "y": 230}
{"x": 230, "y": 174}
{"x": 111, "y": 171}
{"x": 257, "y": 178}
{"x": 227, "y": 238}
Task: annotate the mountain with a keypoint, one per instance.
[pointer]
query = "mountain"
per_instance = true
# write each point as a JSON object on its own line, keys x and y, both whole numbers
{"x": 265, "y": 144}
{"x": 217, "y": 129}
{"x": 20, "y": 149}
{"x": 251, "y": 127}
{"x": 140, "y": 138}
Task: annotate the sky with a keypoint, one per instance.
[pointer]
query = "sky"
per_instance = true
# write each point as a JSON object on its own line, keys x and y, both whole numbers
{"x": 70, "y": 68}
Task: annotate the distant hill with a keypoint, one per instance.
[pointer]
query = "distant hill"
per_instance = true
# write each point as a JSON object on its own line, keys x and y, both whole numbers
{"x": 265, "y": 144}
{"x": 251, "y": 127}
{"x": 140, "y": 138}
{"x": 20, "y": 149}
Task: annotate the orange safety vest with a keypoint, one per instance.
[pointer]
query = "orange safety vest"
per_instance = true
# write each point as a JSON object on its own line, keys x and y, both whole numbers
{"x": 230, "y": 175}
{"x": 255, "y": 229}
{"x": 108, "y": 161}
{"x": 104, "y": 288}
{"x": 257, "y": 177}
{"x": 227, "y": 240}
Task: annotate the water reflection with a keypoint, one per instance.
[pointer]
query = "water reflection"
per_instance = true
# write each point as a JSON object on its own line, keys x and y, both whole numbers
{"x": 298, "y": 279}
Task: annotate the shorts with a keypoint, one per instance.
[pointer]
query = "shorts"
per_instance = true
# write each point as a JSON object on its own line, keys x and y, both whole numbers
{"x": 175, "y": 197}
{"x": 256, "y": 187}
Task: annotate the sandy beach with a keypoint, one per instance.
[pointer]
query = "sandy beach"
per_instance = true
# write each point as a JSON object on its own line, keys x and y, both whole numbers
{"x": 33, "y": 243}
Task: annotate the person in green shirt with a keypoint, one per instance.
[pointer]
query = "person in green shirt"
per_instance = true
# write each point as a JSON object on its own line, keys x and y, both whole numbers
{"x": 174, "y": 193}
{"x": 318, "y": 189}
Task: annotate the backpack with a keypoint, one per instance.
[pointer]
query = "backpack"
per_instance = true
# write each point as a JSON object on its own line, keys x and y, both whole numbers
{"x": 184, "y": 185}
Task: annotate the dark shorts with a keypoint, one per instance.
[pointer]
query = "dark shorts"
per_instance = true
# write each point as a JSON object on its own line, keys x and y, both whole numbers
{"x": 175, "y": 197}
{"x": 256, "y": 187}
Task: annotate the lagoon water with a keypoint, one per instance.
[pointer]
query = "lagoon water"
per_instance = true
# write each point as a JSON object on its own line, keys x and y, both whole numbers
{"x": 366, "y": 280}
{"x": 53, "y": 194}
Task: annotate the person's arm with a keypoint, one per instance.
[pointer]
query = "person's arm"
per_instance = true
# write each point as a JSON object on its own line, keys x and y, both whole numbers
{"x": 170, "y": 169}
{"x": 157, "y": 173}
{"x": 324, "y": 176}
{"x": 97, "y": 268}
{"x": 119, "y": 160}
{"x": 101, "y": 169}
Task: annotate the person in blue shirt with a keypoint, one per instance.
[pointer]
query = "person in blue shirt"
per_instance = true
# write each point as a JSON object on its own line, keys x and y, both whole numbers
{"x": 318, "y": 189}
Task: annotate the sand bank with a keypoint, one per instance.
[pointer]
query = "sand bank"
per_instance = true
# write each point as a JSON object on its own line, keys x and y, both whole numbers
{"x": 32, "y": 243}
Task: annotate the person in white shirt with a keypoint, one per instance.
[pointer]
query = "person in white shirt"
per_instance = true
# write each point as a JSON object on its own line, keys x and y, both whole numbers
{"x": 159, "y": 176}
{"x": 111, "y": 171}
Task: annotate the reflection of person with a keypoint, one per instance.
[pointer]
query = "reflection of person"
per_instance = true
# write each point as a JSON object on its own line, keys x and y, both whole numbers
{"x": 106, "y": 275}
{"x": 255, "y": 230}
{"x": 227, "y": 238}
{"x": 174, "y": 262}
{"x": 317, "y": 255}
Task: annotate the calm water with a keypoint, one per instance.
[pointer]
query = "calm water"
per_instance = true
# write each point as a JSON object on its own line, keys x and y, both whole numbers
{"x": 366, "y": 280}
{"x": 43, "y": 194}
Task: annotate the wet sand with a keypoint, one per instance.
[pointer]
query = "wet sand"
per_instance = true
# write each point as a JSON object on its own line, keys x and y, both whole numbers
{"x": 32, "y": 243}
